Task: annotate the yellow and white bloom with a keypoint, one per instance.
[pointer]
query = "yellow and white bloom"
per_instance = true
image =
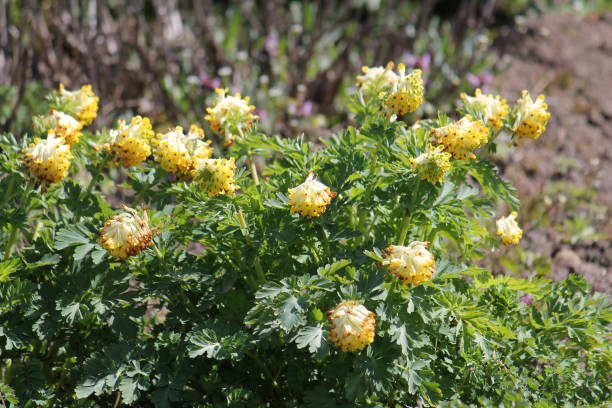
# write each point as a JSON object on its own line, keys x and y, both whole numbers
{"x": 130, "y": 144}
{"x": 82, "y": 104}
{"x": 126, "y": 234}
{"x": 406, "y": 92}
{"x": 493, "y": 108}
{"x": 376, "y": 79}
{"x": 432, "y": 164}
{"x": 508, "y": 229}
{"x": 461, "y": 138}
{"x": 230, "y": 114}
{"x": 310, "y": 198}
{"x": 412, "y": 264}
{"x": 532, "y": 116}
{"x": 62, "y": 124}
{"x": 216, "y": 176}
{"x": 47, "y": 160}
{"x": 178, "y": 153}
{"x": 352, "y": 326}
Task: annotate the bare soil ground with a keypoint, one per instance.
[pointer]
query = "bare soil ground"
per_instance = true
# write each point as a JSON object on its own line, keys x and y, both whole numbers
{"x": 565, "y": 178}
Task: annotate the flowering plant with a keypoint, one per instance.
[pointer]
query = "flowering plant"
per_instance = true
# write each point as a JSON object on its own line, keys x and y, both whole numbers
{"x": 276, "y": 274}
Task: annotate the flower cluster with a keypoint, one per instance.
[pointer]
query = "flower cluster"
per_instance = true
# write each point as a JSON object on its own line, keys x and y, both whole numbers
{"x": 47, "y": 160}
{"x": 310, "y": 198}
{"x": 432, "y": 164}
{"x": 216, "y": 176}
{"x": 402, "y": 93}
{"x": 126, "y": 234}
{"x": 230, "y": 115}
{"x": 82, "y": 104}
{"x": 62, "y": 124}
{"x": 178, "y": 153}
{"x": 532, "y": 117}
{"x": 493, "y": 108}
{"x": 508, "y": 229}
{"x": 412, "y": 264}
{"x": 461, "y": 138}
{"x": 352, "y": 326}
{"x": 130, "y": 144}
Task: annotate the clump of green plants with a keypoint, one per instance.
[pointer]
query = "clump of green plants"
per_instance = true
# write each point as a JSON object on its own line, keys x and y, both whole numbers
{"x": 273, "y": 273}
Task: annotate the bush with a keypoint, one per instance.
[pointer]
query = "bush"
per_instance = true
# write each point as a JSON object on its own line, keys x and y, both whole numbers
{"x": 244, "y": 287}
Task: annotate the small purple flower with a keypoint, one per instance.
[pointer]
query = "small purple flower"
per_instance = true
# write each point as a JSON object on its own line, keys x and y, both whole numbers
{"x": 271, "y": 44}
{"x": 262, "y": 113}
{"x": 423, "y": 62}
{"x": 480, "y": 80}
{"x": 209, "y": 82}
{"x": 526, "y": 299}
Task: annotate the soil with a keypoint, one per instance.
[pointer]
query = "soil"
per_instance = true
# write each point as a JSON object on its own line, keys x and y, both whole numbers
{"x": 564, "y": 178}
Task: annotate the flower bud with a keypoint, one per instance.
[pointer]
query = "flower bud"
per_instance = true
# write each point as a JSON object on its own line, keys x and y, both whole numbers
{"x": 47, "y": 160}
{"x": 177, "y": 153}
{"x": 216, "y": 176}
{"x": 461, "y": 138}
{"x": 493, "y": 108}
{"x": 412, "y": 264}
{"x": 230, "y": 114}
{"x": 508, "y": 229}
{"x": 532, "y": 116}
{"x": 130, "y": 143}
{"x": 82, "y": 104}
{"x": 352, "y": 326}
{"x": 310, "y": 198}
{"x": 432, "y": 164}
{"x": 126, "y": 234}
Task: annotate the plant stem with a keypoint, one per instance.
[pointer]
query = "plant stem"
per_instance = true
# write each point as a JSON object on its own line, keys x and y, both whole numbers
{"x": 368, "y": 192}
{"x": 251, "y": 161}
{"x": 404, "y": 231}
{"x": 116, "y": 404}
{"x": 11, "y": 241}
{"x": 94, "y": 176}
{"x": 261, "y": 277}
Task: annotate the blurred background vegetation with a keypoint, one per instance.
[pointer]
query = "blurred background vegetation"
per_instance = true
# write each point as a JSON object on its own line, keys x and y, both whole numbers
{"x": 163, "y": 58}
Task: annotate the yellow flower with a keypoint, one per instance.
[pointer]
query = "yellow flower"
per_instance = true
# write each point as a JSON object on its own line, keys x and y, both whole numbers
{"x": 177, "y": 153}
{"x": 47, "y": 160}
{"x": 216, "y": 176}
{"x": 62, "y": 124}
{"x": 310, "y": 198}
{"x": 461, "y": 138}
{"x": 82, "y": 104}
{"x": 532, "y": 116}
{"x": 230, "y": 115}
{"x": 406, "y": 93}
{"x": 126, "y": 234}
{"x": 432, "y": 164}
{"x": 130, "y": 143}
{"x": 508, "y": 229}
{"x": 352, "y": 326}
{"x": 376, "y": 79}
{"x": 412, "y": 264}
{"x": 493, "y": 108}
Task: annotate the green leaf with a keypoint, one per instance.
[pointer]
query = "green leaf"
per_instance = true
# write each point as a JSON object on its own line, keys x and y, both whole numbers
{"x": 70, "y": 236}
{"x": 309, "y": 336}
{"x": 7, "y": 267}
{"x": 82, "y": 250}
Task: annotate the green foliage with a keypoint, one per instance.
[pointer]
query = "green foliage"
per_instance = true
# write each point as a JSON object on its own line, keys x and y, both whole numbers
{"x": 229, "y": 306}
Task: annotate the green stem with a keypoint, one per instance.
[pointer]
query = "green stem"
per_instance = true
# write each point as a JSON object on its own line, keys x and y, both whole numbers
{"x": 95, "y": 174}
{"x": 7, "y": 194}
{"x": 404, "y": 231}
{"x": 261, "y": 277}
{"x": 11, "y": 241}
{"x": 324, "y": 240}
{"x": 251, "y": 161}
{"x": 368, "y": 192}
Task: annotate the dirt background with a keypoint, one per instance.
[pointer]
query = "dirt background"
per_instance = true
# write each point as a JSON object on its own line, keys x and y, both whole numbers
{"x": 564, "y": 179}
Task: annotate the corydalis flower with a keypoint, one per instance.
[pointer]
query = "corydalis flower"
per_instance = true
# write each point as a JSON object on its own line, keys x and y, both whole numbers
{"x": 47, "y": 160}
{"x": 130, "y": 144}
{"x": 376, "y": 79}
{"x": 82, "y": 104}
{"x": 352, "y": 326}
{"x": 126, "y": 234}
{"x": 412, "y": 264}
{"x": 532, "y": 116}
{"x": 508, "y": 229}
{"x": 310, "y": 198}
{"x": 216, "y": 176}
{"x": 62, "y": 124}
{"x": 432, "y": 164}
{"x": 493, "y": 108}
{"x": 461, "y": 138}
{"x": 178, "y": 153}
{"x": 230, "y": 114}
{"x": 406, "y": 92}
